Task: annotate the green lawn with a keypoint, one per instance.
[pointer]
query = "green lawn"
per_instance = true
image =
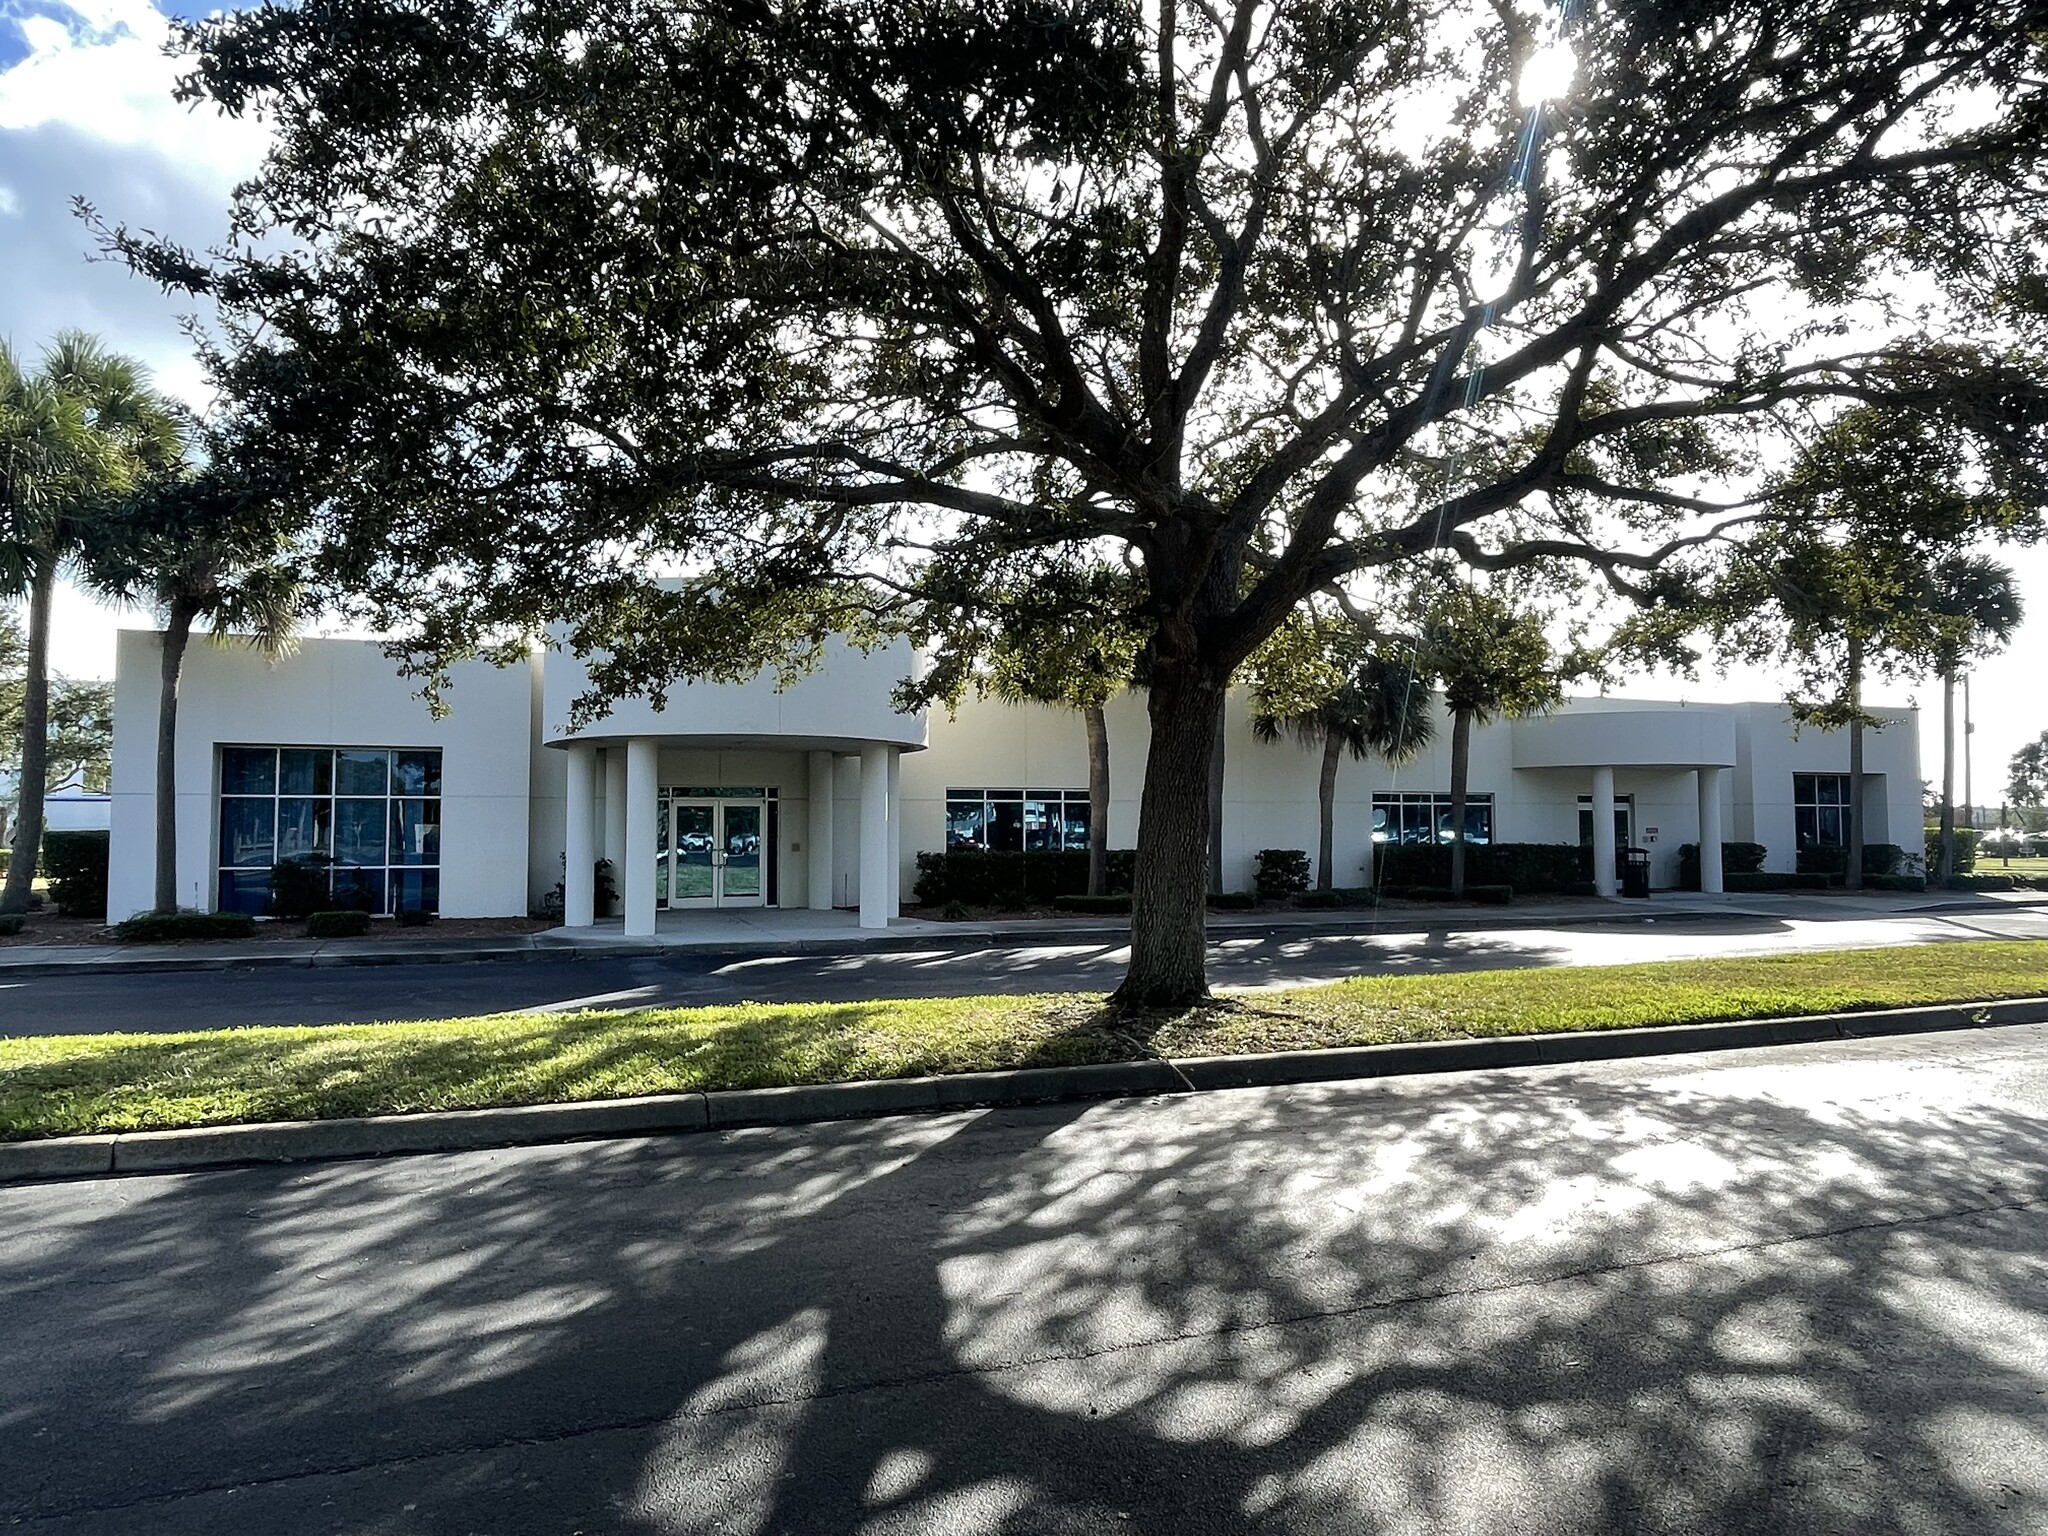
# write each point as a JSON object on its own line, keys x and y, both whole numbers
{"x": 68, "y": 1084}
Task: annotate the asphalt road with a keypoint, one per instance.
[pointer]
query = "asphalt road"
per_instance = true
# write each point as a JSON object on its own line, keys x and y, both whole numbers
{"x": 208, "y": 999}
{"x": 1797, "y": 1290}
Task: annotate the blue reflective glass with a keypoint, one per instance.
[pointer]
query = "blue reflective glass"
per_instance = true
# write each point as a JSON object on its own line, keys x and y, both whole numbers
{"x": 362, "y": 773}
{"x": 416, "y": 831}
{"x": 248, "y": 770}
{"x": 248, "y": 833}
{"x": 305, "y": 771}
{"x": 359, "y": 831}
{"x": 245, "y": 890}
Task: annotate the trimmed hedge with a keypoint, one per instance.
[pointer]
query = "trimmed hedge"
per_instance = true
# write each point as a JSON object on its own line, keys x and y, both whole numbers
{"x": 1479, "y": 895}
{"x": 1337, "y": 896}
{"x": 1833, "y": 859}
{"x": 349, "y": 924}
{"x": 10, "y": 924}
{"x": 171, "y": 927}
{"x": 985, "y": 877}
{"x": 1108, "y": 906}
{"x": 415, "y": 917}
{"x": 76, "y": 863}
{"x": 1279, "y": 872}
{"x": 1774, "y": 880}
{"x": 1232, "y": 901}
{"x": 1894, "y": 883}
{"x": 1736, "y": 859}
{"x": 1534, "y": 869}
{"x": 1990, "y": 882}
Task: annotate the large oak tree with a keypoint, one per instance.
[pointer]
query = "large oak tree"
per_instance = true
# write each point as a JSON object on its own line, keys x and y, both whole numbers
{"x": 839, "y": 309}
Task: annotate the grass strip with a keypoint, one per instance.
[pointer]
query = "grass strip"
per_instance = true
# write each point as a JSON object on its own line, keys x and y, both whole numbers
{"x": 72, "y": 1084}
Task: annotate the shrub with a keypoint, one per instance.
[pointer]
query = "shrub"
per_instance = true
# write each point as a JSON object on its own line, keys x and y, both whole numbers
{"x": 414, "y": 917}
{"x": 348, "y": 923}
{"x": 1770, "y": 880}
{"x": 301, "y": 887}
{"x": 981, "y": 876}
{"x": 1279, "y": 872}
{"x": 1882, "y": 859}
{"x": 76, "y": 863}
{"x": 1966, "y": 849}
{"x": 1012, "y": 901}
{"x": 1823, "y": 859}
{"x": 1984, "y": 883}
{"x": 174, "y": 927}
{"x": 1232, "y": 901}
{"x": 1894, "y": 883}
{"x": 954, "y": 912}
{"x": 1736, "y": 859}
{"x": 10, "y": 924}
{"x": 1481, "y": 895}
{"x": 1532, "y": 868}
{"x": 1108, "y": 906}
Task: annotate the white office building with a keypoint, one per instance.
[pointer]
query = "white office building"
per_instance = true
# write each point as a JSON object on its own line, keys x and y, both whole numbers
{"x": 820, "y": 795}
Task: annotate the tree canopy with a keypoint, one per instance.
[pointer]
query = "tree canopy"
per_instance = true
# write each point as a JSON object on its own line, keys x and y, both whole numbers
{"x": 846, "y": 309}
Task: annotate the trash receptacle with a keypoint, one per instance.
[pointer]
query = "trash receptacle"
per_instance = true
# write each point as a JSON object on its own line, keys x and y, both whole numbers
{"x": 1635, "y": 872}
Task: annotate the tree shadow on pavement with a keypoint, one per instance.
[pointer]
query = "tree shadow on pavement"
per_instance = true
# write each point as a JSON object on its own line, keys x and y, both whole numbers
{"x": 1707, "y": 1294}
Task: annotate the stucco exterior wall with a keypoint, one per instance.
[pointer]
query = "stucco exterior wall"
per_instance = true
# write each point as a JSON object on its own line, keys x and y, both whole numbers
{"x": 331, "y": 693}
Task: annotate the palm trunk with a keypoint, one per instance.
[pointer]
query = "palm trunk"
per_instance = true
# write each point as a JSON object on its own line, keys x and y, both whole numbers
{"x": 1853, "y": 876}
{"x": 1945, "y": 853}
{"x": 35, "y": 746}
{"x": 1326, "y": 807}
{"x": 1098, "y": 799}
{"x": 1168, "y": 940}
{"x": 177, "y": 635}
{"x": 1461, "y": 769}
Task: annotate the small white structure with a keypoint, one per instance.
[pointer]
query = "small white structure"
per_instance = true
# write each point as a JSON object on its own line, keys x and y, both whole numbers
{"x": 821, "y": 795}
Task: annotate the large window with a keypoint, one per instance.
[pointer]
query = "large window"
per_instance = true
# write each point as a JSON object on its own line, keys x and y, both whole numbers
{"x": 367, "y": 818}
{"x": 1017, "y": 820}
{"x": 1820, "y": 809}
{"x": 1427, "y": 818}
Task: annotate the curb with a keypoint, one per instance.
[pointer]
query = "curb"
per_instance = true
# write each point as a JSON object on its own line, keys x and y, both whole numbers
{"x": 183, "y": 1151}
{"x": 1408, "y": 920}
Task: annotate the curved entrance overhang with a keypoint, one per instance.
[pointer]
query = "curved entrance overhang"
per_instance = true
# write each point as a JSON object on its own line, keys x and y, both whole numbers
{"x": 843, "y": 705}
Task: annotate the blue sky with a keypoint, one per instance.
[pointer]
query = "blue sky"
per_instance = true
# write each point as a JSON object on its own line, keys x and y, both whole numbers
{"x": 85, "y": 109}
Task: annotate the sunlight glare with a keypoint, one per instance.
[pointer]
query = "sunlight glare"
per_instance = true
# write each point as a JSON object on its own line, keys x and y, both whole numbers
{"x": 1548, "y": 73}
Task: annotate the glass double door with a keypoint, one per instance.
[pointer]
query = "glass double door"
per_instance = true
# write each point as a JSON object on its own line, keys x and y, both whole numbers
{"x": 710, "y": 853}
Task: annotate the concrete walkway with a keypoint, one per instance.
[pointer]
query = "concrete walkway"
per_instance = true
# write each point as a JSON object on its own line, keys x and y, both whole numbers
{"x": 775, "y": 932}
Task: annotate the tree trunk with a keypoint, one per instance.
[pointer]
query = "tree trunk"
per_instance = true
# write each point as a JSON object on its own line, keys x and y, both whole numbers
{"x": 177, "y": 635}
{"x": 1945, "y": 853}
{"x": 1461, "y": 769}
{"x": 1853, "y": 877}
{"x": 1215, "y": 805}
{"x": 1326, "y": 807}
{"x": 35, "y": 746}
{"x": 1168, "y": 939}
{"x": 1098, "y": 800}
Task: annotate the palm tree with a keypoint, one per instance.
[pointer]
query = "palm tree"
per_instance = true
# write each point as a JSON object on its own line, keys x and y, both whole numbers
{"x": 1491, "y": 661}
{"x": 74, "y": 436}
{"x": 197, "y": 546}
{"x": 1973, "y": 606}
{"x": 1381, "y": 709}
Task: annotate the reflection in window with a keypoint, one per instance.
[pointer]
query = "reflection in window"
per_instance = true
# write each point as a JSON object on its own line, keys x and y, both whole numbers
{"x": 369, "y": 816}
{"x": 1017, "y": 820}
{"x": 1820, "y": 809}
{"x": 1426, "y": 818}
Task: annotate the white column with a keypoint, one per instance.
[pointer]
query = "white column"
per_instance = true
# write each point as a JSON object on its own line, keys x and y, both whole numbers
{"x": 1710, "y": 831}
{"x": 874, "y": 836}
{"x": 819, "y": 832}
{"x": 1603, "y": 833}
{"x": 615, "y": 814}
{"x": 643, "y": 758}
{"x": 579, "y": 845}
{"x": 895, "y": 832}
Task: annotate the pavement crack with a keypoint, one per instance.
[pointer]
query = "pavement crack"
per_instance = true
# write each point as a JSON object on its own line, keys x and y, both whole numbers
{"x": 39, "y": 1511}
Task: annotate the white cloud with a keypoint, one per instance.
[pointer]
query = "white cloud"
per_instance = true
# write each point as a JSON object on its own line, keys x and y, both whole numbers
{"x": 10, "y": 205}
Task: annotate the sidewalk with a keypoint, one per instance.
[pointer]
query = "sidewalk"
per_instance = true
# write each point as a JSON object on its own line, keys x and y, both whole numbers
{"x": 799, "y": 932}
